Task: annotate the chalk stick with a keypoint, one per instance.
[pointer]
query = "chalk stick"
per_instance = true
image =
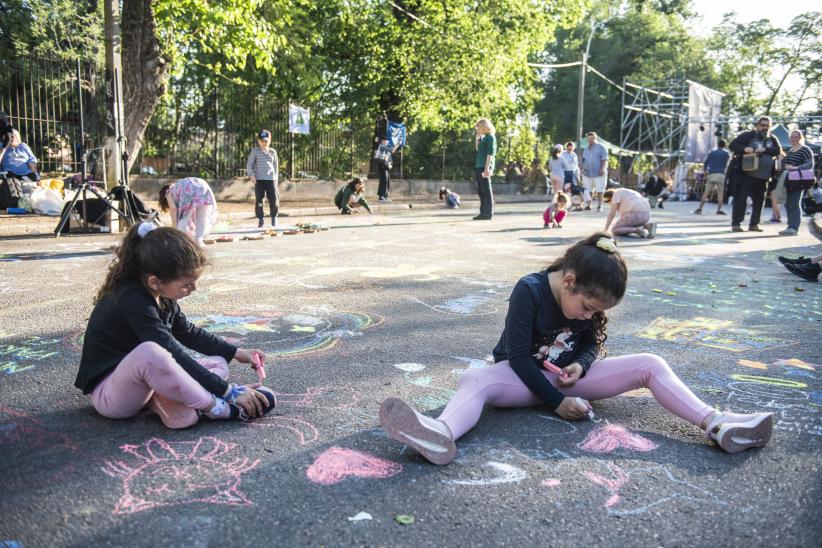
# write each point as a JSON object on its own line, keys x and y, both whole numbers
{"x": 591, "y": 415}
{"x": 552, "y": 368}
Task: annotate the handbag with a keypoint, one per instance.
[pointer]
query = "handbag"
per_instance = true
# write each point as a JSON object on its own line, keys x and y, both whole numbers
{"x": 750, "y": 162}
{"x": 800, "y": 179}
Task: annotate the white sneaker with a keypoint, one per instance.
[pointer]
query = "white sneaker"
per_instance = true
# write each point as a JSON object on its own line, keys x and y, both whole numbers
{"x": 736, "y": 432}
{"x": 428, "y": 436}
{"x": 643, "y": 232}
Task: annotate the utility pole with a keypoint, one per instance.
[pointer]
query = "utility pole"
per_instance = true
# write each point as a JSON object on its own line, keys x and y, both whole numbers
{"x": 114, "y": 91}
{"x": 582, "y": 70}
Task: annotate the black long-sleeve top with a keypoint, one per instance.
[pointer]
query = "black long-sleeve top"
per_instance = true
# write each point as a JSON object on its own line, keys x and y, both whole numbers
{"x": 130, "y": 315}
{"x": 535, "y": 320}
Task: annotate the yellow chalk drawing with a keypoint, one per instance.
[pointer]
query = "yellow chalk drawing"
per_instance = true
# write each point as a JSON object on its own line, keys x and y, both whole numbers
{"x": 769, "y": 380}
{"x": 794, "y": 362}
{"x": 713, "y": 333}
{"x": 753, "y": 364}
{"x": 303, "y": 329}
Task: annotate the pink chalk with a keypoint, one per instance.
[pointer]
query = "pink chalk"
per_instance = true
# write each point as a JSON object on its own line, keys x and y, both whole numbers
{"x": 553, "y": 368}
{"x": 258, "y": 366}
{"x": 337, "y": 464}
{"x": 612, "y": 437}
{"x": 550, "y": 482}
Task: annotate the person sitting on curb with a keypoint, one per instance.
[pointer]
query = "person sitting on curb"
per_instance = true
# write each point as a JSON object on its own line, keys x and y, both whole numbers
{"x": 634, "y": 213}
{"x": 350, "y": 196}
{"x": 809, "y": 269}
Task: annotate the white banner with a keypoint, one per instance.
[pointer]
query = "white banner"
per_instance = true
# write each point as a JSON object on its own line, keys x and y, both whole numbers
{"x": 299, "y": 120}
{"x": 704, "y": 105}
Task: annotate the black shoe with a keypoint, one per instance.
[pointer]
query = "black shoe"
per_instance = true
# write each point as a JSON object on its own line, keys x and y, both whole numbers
{"x": 736, "y": 228}
{"x": 755, "y": 228}
{"x": 260, "y": 223}
{"x": 809, "y": 272}
{"x": 800, "y": 260}
{"x": 660, "y": 205}
{"x": 482, "y": 218}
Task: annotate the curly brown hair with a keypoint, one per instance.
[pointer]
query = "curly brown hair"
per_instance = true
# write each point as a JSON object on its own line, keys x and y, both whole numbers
{"x": 599, "y": 273}
{"x": 164, "y": 252}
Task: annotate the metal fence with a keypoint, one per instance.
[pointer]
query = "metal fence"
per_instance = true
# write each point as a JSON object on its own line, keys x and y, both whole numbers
{"x": 40, "y": 95}
{"x": 208, "y": 134}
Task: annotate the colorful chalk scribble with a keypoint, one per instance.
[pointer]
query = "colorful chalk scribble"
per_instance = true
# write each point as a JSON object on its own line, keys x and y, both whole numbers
{"x": 26, "y": 354}
{"x": 287, "y": 334}
{"x": 173, "y": 473}
{"x": 609, "y": 438}
{"x": 337, "y": 464}
{"x": 711, "y": 333}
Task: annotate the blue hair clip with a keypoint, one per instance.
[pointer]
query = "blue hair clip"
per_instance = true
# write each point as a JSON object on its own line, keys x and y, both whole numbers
{"x": 144, "y": 228}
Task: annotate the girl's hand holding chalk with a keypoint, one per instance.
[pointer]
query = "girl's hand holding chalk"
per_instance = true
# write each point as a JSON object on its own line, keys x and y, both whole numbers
{"x": 572, "y": 374}
{"x": 254, "y": 357}
{"x": 582, "y": 404}
{"x": 258, "y": 366}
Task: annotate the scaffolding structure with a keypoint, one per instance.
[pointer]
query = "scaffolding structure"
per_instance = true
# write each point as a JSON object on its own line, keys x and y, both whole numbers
{"x": 655, "y": 119}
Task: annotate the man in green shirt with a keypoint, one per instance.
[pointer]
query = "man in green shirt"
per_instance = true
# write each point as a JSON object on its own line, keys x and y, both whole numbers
{"x": 486, "y": 145}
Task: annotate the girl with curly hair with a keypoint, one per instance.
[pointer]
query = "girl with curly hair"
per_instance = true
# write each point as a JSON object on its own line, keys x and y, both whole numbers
{"x": 552, "y": 351}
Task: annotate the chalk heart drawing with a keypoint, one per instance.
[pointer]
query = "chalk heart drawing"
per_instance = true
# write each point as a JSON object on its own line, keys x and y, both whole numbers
{"x": 287, "y": 334}
{"x": 337, "y": 464}
{"x": 174, "y": 473}
{"x": 609, "y": 438}
{"x": 712, "y": 333}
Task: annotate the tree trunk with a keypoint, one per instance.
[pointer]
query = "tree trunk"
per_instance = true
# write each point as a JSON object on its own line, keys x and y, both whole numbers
{"x": 145, "y": 72}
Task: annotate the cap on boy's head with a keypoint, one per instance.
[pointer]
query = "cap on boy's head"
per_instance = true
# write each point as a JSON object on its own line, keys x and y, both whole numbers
{"x": 264, "y": 134}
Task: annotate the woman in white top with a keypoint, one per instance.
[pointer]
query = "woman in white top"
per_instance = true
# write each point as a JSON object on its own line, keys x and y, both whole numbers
{"x": 634, "y": 213}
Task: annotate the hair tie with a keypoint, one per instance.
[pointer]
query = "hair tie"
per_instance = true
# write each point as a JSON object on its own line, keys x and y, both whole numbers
{"x": 144, "y": 228}
{"x": 607, "y": 244}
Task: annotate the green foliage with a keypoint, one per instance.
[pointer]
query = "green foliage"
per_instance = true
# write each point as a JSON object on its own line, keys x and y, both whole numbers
{"x": 66, "y": 29}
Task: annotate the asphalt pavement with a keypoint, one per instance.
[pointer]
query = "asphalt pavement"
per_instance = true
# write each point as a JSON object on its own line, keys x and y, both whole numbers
{"x": 401, "y": 304}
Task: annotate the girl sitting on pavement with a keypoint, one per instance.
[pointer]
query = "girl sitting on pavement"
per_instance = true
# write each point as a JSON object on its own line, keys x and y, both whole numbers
{"x": 551, "y": 352}
{"x": 554, "y": 214}
{"x": 191, "y": 205}
{"x": 135, "y": 348}
{"x": 351, "y": 196}
{"x": 634, "y": 213}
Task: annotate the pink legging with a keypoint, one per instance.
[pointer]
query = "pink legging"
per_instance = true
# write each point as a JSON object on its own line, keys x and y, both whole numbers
{"x": 631, "y": 221}
{"x": 147, "y": 369}
{"x": 500, "y": 386}
{"x": 548, "y": 216}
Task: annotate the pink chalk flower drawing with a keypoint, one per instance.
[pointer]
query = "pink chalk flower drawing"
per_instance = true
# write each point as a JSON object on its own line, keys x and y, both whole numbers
{"x": 171, "y": 473}
{"x": 337, "y": 464}
{"x": 612, "y": 437}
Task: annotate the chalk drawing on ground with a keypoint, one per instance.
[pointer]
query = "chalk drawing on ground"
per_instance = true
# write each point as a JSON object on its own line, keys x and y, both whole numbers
{"x": 337, "y": 464}
{"x": 502, "y": 473}
{"x": 609, "y": 438}
{"x": 286, "y": 334}
{"x": 711, "y": 333}
{"x": 320, "y": 397}
{"x": 481, "y": 303}
{"x": 174, "y": 473}
{"x": 419, "y": 273}
{"x": 628, "y": 492}
{"x": 303, "y": 430}
{"x": 26, "y": 354}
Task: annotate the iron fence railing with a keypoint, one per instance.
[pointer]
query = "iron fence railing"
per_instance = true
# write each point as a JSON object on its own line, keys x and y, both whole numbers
{"x": 40, "y": 95}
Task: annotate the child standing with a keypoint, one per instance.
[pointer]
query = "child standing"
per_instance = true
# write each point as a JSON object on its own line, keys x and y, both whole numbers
{"x": 383, "y": 158}
{"x": 559, "y": 314}
{"x": 191, "y": 205}
{"x": 555, "y": 213}
{"x": 134, "y": 352}
{"x": 263, "y": 168}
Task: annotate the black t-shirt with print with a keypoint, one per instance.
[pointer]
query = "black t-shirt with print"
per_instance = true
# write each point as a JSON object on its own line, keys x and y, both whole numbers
{"x": 536, "y": 329}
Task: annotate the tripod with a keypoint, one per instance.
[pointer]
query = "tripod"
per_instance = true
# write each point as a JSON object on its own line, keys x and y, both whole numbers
{"x": 120, "y": 192}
